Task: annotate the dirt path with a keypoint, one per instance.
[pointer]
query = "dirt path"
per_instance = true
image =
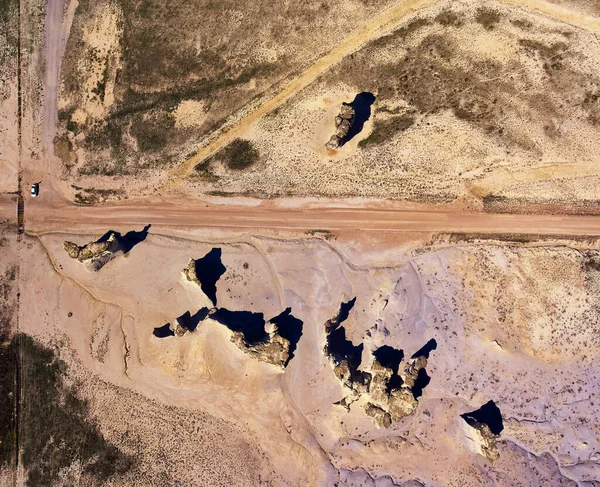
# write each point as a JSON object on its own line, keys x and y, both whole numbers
{"x": 57, "y": 28}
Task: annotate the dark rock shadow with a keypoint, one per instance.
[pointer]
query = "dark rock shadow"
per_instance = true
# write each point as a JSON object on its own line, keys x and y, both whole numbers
{"x": 290, "y": 328}
{"x": 425, "y": 350}
{"x": 191, "y": 321}
{"x": 345, "y": 309}
{"x": 340, "y": 348}
{"x": 209, "y": 270}
{"x": 421, "y": 383}
{"x": 391, "y": 358}
{"x": 488, "y": 414}
{"x": 163, "y": 331}
{"x": 251, "y": 325}
{"x": 362, "y": 112}
{"x": 129, "y": 240}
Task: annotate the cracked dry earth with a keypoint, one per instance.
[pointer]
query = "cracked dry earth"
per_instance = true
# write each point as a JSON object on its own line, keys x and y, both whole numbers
{"x": 515, "y": 328}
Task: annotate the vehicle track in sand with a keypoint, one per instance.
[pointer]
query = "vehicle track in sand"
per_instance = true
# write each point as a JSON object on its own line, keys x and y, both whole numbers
{"x": 382, "y": 23}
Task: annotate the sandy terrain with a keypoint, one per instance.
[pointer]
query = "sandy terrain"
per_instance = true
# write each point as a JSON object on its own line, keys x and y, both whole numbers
{"x": 500, "y": 335}
{"x": 443, "y": 260}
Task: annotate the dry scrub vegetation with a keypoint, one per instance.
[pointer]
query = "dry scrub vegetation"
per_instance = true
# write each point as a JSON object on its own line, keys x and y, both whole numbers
{"x": 143, "y": 81}
{"x": 471, "y": 102}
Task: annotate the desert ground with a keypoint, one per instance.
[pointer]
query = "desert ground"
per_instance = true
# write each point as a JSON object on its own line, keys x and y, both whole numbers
{"x": 204, "y": 294}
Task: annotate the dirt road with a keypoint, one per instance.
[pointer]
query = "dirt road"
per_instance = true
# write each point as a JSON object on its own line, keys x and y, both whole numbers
{"x": 57, "y": 27}
{"x": 166, "y": 214}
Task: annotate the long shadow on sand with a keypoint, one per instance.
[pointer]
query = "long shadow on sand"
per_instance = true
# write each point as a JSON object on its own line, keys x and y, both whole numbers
{"x": 129, "y": 240}
{"x": 290, "y": 328}
{"x": 488, "y": 414}
{"x": 251, "y": 325}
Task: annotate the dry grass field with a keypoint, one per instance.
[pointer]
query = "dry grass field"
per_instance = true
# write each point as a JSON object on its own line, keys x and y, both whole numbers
{"x": 488, "y": 103}
{"x": 484, "y": 103}
{"x": 143, "y": 81}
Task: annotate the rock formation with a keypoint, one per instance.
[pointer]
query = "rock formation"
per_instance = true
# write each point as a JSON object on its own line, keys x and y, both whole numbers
{"x": 178, "y": 327}
{"x": 389, "y": 395}
{"x": 251, "y": 334}
{"x": 206, "y": 272}
{"x": 274, "y": 351}
{"x": 343, "y": 123}
{"x": 379, "y": 415}
{"x": 190, "y": 273}
{"x": 95, "y": 255}
{"x": 482, "y": 427}
{"x": 483, "y": 441}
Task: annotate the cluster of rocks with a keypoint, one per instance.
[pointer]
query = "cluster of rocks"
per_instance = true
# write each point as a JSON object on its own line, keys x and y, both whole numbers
{"x": 394, "y": 401}
{"x": 389, "y": 395}
{"x": 274, "y": 350}
{"x": 96, "y": 255}
{"x": 268, "y": 341}
{"x": 343, "y": 123}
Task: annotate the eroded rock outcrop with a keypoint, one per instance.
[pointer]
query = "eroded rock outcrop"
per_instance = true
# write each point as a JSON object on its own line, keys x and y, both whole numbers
{"x": 482, "y": 428}
{"x": 343, "y": 123}
{"x": 389, "y": 395}
{"x": 483, "y": 441}
{"x": 274, "y": 350}
{"x": 206, "y": 272}
{"x": 95, "y": 255}
{"x": 273, "y": 341}
{"x": 189, "y": 272}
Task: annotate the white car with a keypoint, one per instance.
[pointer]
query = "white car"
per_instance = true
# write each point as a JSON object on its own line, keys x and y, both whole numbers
{"x": 35, "y": 189}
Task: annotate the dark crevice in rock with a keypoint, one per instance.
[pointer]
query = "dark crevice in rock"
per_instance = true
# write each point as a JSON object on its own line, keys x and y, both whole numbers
{"x": 290, "y": 328}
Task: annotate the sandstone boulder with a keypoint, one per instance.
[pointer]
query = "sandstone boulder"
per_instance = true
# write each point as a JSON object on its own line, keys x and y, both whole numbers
{"x": 343, "y": 123}
{"x": 482, "y": 440}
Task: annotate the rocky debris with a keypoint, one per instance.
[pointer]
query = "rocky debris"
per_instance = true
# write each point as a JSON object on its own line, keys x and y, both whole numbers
{"x": 483, "y": 426}
{"x": 379, "y": 415}
{"x": 95, "y": 255}
{"x": 343, "y": 123}
{"x": 182, "y": 324}
{"x": 178, "y": 327}
{"x": 275, "y": 350}
{"x": 393, "y": 392}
